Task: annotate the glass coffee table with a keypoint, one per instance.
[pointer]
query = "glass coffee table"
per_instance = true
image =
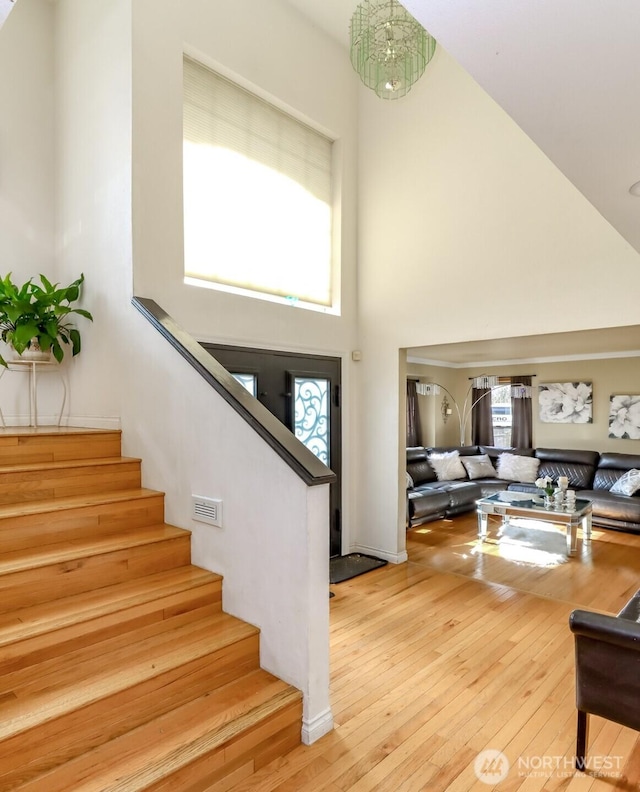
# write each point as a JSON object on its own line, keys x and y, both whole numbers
{"x": 520, "y": 504}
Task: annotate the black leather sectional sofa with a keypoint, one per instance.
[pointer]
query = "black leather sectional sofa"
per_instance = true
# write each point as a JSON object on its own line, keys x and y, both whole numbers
{"x": 589, "y": 473}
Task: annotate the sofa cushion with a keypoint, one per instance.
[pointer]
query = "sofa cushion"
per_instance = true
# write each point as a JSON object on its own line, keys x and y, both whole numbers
{"x": 574, "y": 456}
{"x": 611, "y": 467}
{"x": 611, "y": 506}
{"x": 514, "y": 467}
{"x": 448, "y": 466}
{"x": 614, "y": 461}
{"x": 462, "y": 496}
{"x": 418, "y": 466}
{"x": 493, "y": 452}
{"x": 425, "y": 504}
{"x": 576, "y": 464}
{"x": 478, "y": 466}
{"x": 471, "y": 450}
{"x": 416, "y": 454}
{"x": 628, "y": 483}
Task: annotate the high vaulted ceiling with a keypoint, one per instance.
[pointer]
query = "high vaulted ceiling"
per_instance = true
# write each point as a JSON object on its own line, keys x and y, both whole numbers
{"x": 568, "y": 73}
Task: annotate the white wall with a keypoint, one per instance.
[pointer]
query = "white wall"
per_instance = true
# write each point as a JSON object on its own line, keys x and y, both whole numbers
{"x": 466, "y": 232}
{"x": 118, "y": 65}
{"x": 93, "y": 194}
{"x": 26, "y": 141}
{"x": 310, "y": 77}
{"x": 273, "y": 548}
{"x": 26, "y": 171}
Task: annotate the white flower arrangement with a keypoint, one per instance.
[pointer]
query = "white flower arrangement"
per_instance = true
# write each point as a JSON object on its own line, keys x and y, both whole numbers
{"x": 545, "y": 483}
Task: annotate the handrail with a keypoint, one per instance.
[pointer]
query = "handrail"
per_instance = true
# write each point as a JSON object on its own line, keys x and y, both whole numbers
{"x": 304, "y": 462}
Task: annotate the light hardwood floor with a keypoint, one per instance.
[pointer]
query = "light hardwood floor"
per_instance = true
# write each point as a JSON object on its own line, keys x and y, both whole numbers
{"x": 462, "y": 649}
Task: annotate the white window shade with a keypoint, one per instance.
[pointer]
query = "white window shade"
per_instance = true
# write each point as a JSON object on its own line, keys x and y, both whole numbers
{"x": 257, "y": 193}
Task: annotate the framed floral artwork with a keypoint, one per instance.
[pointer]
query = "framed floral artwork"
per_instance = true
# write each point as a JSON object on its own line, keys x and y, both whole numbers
{"x": 566, "y": 402}
{"x": 624, "y": 417}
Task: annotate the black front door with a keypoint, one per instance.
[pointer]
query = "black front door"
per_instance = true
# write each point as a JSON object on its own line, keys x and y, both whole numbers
{"x": 304, "y": 393}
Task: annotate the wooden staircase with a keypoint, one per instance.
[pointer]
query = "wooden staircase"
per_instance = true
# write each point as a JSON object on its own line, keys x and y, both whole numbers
{"x": 118, "y": 669}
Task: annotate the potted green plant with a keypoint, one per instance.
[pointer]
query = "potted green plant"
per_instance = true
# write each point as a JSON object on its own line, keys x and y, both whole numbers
{"x": 36, "y": 316}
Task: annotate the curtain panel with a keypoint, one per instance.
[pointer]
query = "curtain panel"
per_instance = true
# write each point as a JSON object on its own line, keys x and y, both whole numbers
{"x": 481, "y": 417}
{"x": 414, "y": 432}
{"x": 521, "y": 413}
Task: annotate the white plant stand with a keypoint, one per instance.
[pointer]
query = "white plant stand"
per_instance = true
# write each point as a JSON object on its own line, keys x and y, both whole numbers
{"x": 32, "y": 368}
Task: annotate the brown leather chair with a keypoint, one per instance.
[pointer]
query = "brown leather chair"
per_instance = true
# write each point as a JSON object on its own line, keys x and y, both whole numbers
{"x": 607, "y": 669}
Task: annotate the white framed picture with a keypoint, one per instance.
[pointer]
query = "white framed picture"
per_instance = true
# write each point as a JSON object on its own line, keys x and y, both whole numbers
{"x": 565, "y": 402}
{"x": 624, "y": 417}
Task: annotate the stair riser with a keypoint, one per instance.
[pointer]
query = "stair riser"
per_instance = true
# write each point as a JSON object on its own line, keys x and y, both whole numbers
{"x": 32, "y": 530}
{"x": 193, "y": 603}
{"x": 118, "y": 670}
{"x": 27, "y": 448}
{"x": 240, "y": 757}
{"x": 21, "y": 487}
{"x": 78, "y": 731}
{"x": 54, "y": 581}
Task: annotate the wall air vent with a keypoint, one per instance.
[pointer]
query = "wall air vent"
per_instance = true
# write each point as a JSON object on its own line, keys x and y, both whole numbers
{"x": 206, "y": 510}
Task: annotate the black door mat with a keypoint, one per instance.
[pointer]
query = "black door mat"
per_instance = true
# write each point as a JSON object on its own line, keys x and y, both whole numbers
{"x": 350, "y": 566}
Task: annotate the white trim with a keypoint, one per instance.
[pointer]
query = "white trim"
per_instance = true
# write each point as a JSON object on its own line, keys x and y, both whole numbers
{"x": 428, "y": 362}
{"x": 93, "y": 422}
{"x": 256, "y": 294}
{"x": 516, "y": 362}
{"x": 392, "y": 558}
{"x": 317, "y": 727}
{"x": 45, "y": 421}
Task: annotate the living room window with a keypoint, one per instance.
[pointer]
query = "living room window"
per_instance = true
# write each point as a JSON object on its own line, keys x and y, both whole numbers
{"x": 501, "y": 415}
{"x": 257, "y": 196}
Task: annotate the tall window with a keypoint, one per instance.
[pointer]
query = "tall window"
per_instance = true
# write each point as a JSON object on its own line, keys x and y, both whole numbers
{"x": 257, "y": 195}
{"x": 511, "y": 412}
{"x": 501, "y": 415}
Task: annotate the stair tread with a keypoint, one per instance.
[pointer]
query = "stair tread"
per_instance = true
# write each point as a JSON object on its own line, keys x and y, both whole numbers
{"x": 119, "y": 671}
{"x": 165, "y": 744}
{"x": 47, "y": 690}
{"x": 35, "y": 620}
{"x": 27, "y": 467}
{"x": 71, "y": 549}
{"x": 74, "y": 502}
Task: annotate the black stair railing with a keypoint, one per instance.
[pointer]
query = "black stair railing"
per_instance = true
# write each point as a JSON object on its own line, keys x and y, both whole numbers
{"x": 310, "y": 469}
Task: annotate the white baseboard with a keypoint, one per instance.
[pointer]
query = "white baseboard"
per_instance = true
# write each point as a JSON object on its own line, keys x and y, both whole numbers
{"x": 93, "y": 422}
{"x": 392, "y": 558}
{"x": 317, "y": 727}
{"x": 44, "y": 421}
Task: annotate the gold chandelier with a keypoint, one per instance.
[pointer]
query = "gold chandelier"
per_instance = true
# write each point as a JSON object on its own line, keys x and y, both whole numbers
{"x": 389, "y": 48}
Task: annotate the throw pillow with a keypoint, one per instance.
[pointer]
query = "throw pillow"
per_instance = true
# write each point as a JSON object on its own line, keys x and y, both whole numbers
{"x": 628, "y": 483}
{"x": 409, "y": 482}
{"x": 479, "y": 466}
{"x": 447, "y": 465}
{"x": 512, "y": 467}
